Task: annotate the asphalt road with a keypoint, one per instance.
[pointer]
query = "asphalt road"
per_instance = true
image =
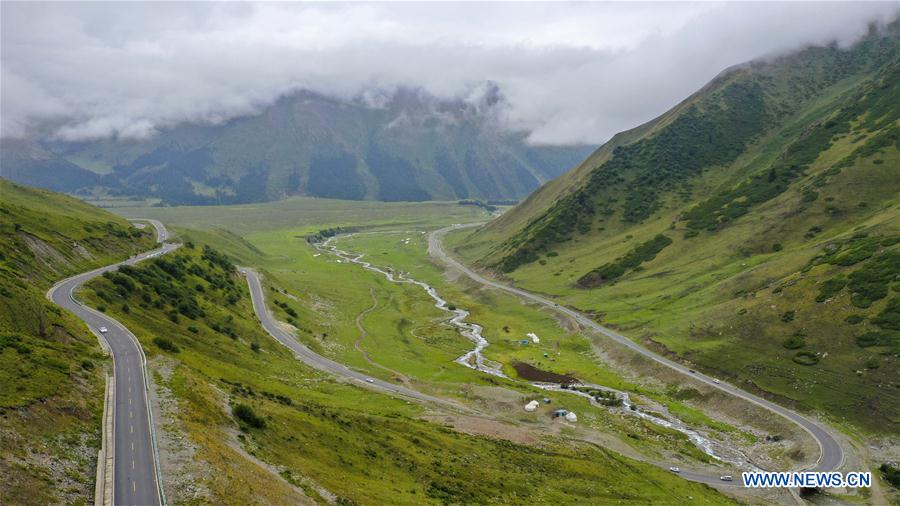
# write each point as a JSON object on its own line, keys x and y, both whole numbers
{"x": 831, "y": 454}
{"x": 135, "y": 469}
{"x": 321, "y": 363}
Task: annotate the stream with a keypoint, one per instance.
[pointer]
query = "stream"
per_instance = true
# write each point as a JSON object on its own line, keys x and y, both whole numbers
{"x": 474, "y": 359}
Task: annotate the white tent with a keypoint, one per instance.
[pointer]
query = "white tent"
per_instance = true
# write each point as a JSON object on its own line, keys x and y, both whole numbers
{"x": 572, "y": 417}
{"x": 534, "y": 337}
{"x": 531, "y": 406}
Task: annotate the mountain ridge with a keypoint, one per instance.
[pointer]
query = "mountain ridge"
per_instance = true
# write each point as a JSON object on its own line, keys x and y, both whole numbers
{"x": 774, "y": 264}
{"x": 406, "y": 146}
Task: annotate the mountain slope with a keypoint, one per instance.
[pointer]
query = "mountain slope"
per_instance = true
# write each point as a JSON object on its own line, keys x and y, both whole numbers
{"x": 752, "y": 230}
{"x": 51, "y": 380}
{"x": 406, "y": 146}
{"x": 28, "y": 163}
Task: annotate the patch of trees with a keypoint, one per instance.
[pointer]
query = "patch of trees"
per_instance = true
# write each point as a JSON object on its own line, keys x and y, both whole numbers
{"x": 164, "y": 282}
{"x": 325, "y": 233}
{"x": 644, "y": 252}
{"x": 870, "y": 282}
{"x": 478, "y": 203}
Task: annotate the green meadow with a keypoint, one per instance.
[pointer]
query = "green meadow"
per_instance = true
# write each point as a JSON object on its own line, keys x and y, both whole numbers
{"x": 310, "y": 434}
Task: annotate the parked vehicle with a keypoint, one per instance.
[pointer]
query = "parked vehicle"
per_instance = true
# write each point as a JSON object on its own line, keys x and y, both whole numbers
{"x": 103, "y": 330}
{"x": 726, "y": 478}
{"x": 674, "y": 469}
{"x": 370, "y": 380}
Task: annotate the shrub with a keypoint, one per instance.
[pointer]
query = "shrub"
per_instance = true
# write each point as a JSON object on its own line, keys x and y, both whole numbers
{"x": 87, "y": 365}
{"x": 891, "y": 474}
{"x": 165, "y": 345}
{"x": 193, "y": 330}
{"x": 245, "y": 414}
{"x": 644, "y": 252}
{"x": 254, "y": 347}
{"x": 830, "y": 288}
{"x": 876, "y": 338}
{"x": 794, "y": 342}
{"x": 854, "y": 319}
{"x": 870, "y": 282}
{"x": 777, "y": 247}
{"x": 788, "y": 316}
{"x": 889, "y": 318}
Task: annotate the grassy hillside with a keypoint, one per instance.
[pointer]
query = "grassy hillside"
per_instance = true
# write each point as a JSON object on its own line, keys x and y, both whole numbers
{"x": 260, "y": 426}
{"x": 751, "y": 230}
{"x": 51, "y": 379}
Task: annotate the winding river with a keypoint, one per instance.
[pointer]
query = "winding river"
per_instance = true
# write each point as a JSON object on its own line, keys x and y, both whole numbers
{"x": 475, "y": 359}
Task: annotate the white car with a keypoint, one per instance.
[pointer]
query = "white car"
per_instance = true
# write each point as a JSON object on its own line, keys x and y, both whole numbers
{"x": 726, "y": 478}
{"x": 370, "y": 380}
{"x": 103, "y": 330}
{"x": 674, "y": 469}
{"x": 716, "y": 381}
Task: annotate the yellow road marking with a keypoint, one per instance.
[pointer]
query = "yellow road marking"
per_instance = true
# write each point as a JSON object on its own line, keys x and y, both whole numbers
{"x": 132, "y": 464}
{"x": 132, "y": 428}
{"x": 132, "y": 446}
{"x": 130, "y": 414}
{"x": 133, "y": 485}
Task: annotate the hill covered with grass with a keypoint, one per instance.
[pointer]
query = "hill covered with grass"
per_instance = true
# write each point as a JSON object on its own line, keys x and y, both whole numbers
{"x": 751, "y": 230}
{"x": 51, "y": 379}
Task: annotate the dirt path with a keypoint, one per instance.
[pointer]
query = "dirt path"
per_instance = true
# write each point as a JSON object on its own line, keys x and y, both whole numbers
{"x": 363, "y": 333}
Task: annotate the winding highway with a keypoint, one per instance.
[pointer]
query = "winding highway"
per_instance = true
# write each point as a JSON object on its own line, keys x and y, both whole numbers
{"x": 136, "y": 479}
{"x": 831, "y": 455}
{"x": 313, "y": 359}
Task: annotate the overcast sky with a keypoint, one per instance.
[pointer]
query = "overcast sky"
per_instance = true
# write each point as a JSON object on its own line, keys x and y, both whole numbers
{"x": 570, "y": 72}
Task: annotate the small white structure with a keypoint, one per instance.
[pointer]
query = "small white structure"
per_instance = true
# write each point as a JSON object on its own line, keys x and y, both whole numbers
{"x": 572, "y": 417}
{"x": 534, "y": 338}
{"x": 531, "y": 406}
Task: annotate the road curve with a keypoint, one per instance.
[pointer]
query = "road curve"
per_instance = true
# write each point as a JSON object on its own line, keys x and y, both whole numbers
{"x": 136, "y": 478}
{"x": 313, "y": 359}
{"x": 831, "y": 454}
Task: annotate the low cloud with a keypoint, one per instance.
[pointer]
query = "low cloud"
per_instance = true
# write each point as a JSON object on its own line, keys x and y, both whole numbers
{"x": 569, "y": 72}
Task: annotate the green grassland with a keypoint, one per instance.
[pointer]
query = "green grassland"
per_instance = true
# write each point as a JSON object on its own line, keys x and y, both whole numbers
{"x": 306, "y": 212}
{"x": 406, "y": 337}
{"x": 51, "y": 366}
{"x": 318, "y": 433}
{"x": 779, "y": 267}
{"x": 507, "y": 321}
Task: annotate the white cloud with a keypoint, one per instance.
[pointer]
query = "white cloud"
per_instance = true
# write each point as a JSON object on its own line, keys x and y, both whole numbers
{"x": 571, "y": 72}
